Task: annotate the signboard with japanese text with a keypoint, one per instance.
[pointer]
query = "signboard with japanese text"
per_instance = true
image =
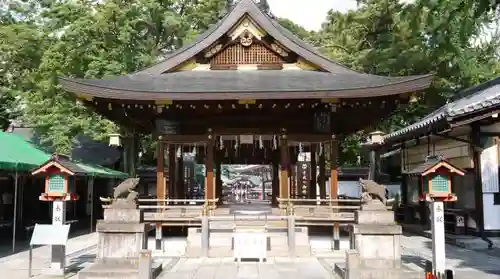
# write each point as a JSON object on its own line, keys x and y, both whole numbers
{"x": 250, "y": 244}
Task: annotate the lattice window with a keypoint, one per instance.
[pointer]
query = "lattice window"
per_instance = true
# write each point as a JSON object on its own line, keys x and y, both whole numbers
{"x": 56, "y": 184}
{"x": 440, "y": 183}
{"x": 239, "y": 54}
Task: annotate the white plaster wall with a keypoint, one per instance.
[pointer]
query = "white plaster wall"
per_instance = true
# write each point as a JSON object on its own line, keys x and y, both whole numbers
{"x": 491, "y": 213}
{"x": 490, "y": 185}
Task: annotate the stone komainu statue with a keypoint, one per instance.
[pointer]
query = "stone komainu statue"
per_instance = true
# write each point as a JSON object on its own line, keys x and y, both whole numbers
{"x": 124, "y": 191}
{"x": 371, "y": 190}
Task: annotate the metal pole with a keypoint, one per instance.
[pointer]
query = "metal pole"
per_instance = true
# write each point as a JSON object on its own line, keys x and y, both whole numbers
{"x": 30, "y": 261}
{"x": 14, "y": 218}
{"x": 91, "y": 195}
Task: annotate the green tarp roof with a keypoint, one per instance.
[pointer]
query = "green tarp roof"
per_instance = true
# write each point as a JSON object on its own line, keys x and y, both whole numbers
{"x": 17, "y": 154}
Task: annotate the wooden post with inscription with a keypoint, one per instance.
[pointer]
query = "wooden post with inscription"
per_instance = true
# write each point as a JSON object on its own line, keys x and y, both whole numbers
{"x": 313, "y": 180}
{"x": 321, "y": 176}
{"x": 334, "y": 188}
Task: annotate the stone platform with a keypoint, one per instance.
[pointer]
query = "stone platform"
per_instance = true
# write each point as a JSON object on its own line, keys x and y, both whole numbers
{"x": 222, "y": 242}
{"x": 117, "y": 270}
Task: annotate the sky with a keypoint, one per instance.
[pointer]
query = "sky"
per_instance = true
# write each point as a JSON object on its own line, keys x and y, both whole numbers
{"x": 309, "y": 16}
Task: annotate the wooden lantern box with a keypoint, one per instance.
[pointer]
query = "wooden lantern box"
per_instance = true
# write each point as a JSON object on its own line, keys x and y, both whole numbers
{"x": 436, "y": 176}
{"x": 60, "y": 182}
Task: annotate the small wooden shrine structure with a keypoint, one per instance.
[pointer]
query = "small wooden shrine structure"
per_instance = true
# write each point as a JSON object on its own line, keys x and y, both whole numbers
{"x": 436, "y": 179}
{"x": 247, "y": 91}
{"x": 60, "y": 178}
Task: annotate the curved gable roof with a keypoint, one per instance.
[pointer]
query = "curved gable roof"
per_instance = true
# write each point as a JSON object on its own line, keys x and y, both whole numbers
{"x": 273, "y": 28}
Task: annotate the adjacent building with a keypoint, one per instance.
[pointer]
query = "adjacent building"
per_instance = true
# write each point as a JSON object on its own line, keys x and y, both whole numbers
{"x": 466, "y": 133}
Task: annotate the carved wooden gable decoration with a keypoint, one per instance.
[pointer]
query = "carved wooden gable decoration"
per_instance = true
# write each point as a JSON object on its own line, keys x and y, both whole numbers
{"x": 246, "y": 43}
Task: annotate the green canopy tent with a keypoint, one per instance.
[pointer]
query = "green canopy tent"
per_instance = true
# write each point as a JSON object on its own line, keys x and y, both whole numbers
{"x": 20, "y": 156}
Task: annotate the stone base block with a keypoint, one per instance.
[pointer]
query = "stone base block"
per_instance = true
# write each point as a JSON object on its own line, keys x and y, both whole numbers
{"x": 382, "y": 217}
{"x": 123, "y": 215}
{"x": 115, "y": 245}
{"x": 116, "y": 270}
{"x": 376, "y": 229}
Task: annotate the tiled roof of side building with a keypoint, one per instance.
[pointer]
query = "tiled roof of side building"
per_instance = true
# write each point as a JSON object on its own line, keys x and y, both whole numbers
{"x": 471, "y": 100}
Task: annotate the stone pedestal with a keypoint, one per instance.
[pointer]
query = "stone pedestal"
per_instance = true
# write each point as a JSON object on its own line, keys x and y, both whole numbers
{"x": 376, "y": 246}
{"x": 121, "y": 235}
{"x": 121, "y": 240}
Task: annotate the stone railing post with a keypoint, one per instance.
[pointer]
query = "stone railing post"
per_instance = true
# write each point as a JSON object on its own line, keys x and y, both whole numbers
{"x": 205, "y": 231}
{"x": 291, "y": 230}
{"x": 145, "y": 265}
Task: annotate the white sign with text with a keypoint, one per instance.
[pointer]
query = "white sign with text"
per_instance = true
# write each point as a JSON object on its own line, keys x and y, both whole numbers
{"x": 250, "y": 244}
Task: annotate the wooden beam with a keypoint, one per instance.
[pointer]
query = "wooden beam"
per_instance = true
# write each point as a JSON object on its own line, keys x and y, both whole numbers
{"x": 179, "y": 139}
{"x": 309, "y": 138}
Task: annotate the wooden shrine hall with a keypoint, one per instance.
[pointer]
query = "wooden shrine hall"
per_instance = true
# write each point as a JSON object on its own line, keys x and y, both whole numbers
{"x": 247, "y": 91}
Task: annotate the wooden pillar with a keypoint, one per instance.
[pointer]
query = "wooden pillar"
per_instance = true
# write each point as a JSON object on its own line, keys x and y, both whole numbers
{"x": 334, "y": 190}
{"x": 321, "y": 176}
{"x": 218, "y": 177}
{"x": 275, "y": 180}
{"x": 160, "y": 187}
{"x": 171, "y": 172}
{"x": 209, "y": 167}
{"x": 292, "y": 177}
{"x": 312, "y": 182}
{"x": 284, "y": 164}
{"x": 179, "y": 176}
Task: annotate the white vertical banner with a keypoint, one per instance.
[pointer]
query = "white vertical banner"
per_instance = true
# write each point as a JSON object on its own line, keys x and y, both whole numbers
{"x": 90, "y": 195}
{"x": 489, "y": 169}
{"x": 58, "y": 212}
{"x": 438, "y": 237}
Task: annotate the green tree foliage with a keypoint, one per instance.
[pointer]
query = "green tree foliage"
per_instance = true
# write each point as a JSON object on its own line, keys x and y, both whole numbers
{"x": 88, "y": 39}
{"x": 387, "y": 37}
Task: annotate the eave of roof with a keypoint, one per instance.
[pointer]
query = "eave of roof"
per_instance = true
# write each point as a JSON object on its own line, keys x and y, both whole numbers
{"x": 242, "y": 8}
{"x": 230, "y": 84}
{"x": 483, "y": 96}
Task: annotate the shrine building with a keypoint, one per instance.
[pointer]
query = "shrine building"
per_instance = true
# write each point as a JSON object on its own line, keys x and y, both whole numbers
{"x": 247, "y": 91}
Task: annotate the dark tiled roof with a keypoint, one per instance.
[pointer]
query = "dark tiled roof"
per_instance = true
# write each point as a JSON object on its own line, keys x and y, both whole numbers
{"x": 430, "y": 162}
{"x": 472, "y": 100}
{"x": 486, "y": 98}
{"x": 148, "y": 83}
{"x": 68, "y": 164}
{"x": 222, "y": 83}
{"x": 219, "y": 29}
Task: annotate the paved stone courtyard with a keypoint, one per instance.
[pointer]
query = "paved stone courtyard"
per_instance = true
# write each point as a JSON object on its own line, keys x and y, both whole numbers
{"x": 274, "y": 268}
{"x": 467, "y": 264}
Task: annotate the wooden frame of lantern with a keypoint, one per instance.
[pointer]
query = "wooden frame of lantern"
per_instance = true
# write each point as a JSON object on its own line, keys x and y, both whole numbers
{"x": 60, "y": 182}
{"x": 435, "y": 179}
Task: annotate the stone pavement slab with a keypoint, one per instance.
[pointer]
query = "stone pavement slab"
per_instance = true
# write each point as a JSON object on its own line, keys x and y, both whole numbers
{"x": 226, "y": 268}
{"x": 79, "y": 252}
